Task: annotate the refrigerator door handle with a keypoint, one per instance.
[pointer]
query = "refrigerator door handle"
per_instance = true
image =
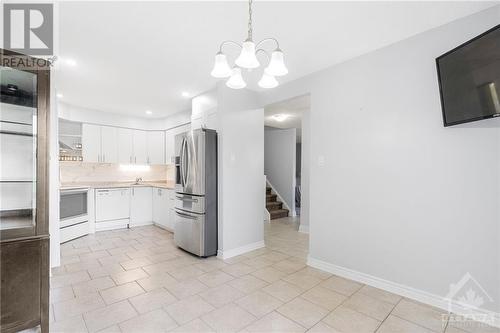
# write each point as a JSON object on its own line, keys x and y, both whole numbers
{"x": 186, "y": 199}
{"x": 183, "y": 162}
{"x": 185, "y": 215}
{"x": 188, "y": 164}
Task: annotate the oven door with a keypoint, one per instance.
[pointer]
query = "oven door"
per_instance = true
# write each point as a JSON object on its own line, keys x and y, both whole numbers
{"x": 73, "y": 203}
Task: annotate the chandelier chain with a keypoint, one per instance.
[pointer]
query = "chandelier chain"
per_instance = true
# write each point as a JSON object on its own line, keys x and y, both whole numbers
{"x": 250, "y": 30}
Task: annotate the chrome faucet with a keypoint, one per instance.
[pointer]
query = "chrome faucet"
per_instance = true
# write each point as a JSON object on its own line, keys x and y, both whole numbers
{"x": 138, "y": 180}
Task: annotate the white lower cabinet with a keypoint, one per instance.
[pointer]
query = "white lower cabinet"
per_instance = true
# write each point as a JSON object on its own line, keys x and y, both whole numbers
{"x": 141, "y": 206}
{"x": 171, "y": 212}
{"x": 136, "y": 206}
{"x": 112, "y": 208}
{"x": 161, "y": 207}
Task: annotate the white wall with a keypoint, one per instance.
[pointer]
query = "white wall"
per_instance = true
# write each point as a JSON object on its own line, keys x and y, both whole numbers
{"x": 396, "y": 197}
{"x": 241, "y": 166}
{"x": 280, "y": 148}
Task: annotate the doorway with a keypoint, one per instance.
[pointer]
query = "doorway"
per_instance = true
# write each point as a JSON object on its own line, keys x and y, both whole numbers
{"x": 286, "y": 168}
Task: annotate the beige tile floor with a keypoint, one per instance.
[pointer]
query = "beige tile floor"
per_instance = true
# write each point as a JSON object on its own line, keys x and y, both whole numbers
{"x": 137, "y": 280}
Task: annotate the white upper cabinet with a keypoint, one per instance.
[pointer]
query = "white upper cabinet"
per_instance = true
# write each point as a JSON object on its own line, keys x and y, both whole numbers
{"x": 141, "y": 206}
{"x": 125, "y": 145}
{"x": 109, "y": 144}
{"x": 140, "y": 147}
{"x": 156, "y": 149}
{"x": 91, "y": 143}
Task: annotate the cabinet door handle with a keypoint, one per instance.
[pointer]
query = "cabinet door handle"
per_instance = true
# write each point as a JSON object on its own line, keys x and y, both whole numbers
{"x": 135, "y": 160}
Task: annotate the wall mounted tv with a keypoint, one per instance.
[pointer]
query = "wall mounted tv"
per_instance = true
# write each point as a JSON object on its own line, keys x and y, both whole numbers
{"x": 469, "y": 79}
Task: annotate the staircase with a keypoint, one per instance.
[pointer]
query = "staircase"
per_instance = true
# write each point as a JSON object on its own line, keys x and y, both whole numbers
{"x": 273, "y": 206}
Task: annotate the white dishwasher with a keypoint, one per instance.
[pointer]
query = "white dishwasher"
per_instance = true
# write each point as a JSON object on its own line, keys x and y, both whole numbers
{"x": 112, "y": 208}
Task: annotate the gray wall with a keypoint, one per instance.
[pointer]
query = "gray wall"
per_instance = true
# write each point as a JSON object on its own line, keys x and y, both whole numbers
{"x": 241, "y": 170}
{"x": 279, "y": 162}
{"x": 394, "y": 195}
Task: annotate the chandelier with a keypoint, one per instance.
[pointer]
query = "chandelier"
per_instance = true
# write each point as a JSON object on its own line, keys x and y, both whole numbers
{"x": 248, "y": 60}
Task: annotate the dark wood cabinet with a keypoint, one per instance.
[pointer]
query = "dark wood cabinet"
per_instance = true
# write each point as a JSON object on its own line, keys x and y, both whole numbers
{"x": 24, "y": 236}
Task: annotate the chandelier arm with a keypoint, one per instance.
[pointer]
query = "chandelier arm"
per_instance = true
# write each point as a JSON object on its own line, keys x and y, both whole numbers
{"x": 265, "y": 52}
{"x": 226, "y": 42}
{"x": 268, "y": 39}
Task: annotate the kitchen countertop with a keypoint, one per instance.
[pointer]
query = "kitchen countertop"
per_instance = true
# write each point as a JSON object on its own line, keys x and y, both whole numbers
{"x": 159, "y": 184}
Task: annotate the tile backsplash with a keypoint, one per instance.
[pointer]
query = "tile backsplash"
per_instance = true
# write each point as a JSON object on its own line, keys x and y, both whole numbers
{"x": 78, "y": 172}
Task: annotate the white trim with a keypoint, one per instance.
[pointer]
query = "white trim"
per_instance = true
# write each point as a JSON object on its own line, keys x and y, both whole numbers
{"x": 304, "y": 228}
{"x": 291, "y": 212}
{"x": 267, "y": 215}
{"x": 163, "y": 227}
{"x": 141, "y": 224}
{"x": 396, "y": 288}
{"x": 240, "y": 250}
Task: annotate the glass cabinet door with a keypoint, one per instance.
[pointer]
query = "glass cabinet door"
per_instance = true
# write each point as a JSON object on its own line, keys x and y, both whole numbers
{"x": 18, "y": 152}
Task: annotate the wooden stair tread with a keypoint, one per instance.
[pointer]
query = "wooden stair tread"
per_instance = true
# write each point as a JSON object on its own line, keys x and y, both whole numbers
{"x": 274, "y": 205}
{"x": 271, "y": 197}
{"x": 278, "y": 213}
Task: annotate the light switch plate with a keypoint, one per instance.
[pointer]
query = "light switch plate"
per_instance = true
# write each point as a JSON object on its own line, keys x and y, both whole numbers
{"x": 321, "y": 160}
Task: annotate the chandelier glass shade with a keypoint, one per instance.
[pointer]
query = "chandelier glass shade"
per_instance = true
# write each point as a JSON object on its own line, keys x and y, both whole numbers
{"x": 236, "y": 81}
{"x": 248, "y": 60}
{"x": 221, "y": 67}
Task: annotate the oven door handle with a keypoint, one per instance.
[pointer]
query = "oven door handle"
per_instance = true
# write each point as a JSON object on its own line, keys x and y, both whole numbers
{"x": 74, "y": 191}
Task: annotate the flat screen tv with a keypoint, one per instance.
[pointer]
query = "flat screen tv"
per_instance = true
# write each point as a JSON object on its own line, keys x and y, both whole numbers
{"x": 469, "y": 79}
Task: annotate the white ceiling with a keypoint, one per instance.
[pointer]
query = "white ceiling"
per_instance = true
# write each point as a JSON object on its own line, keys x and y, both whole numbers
{"x": 293, "y": 108}
{"x": 137, "y": 56}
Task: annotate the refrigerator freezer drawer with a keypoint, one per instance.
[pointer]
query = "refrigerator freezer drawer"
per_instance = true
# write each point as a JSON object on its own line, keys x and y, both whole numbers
{"x": 190, "y": 203}
{"x": 189, "y": 232}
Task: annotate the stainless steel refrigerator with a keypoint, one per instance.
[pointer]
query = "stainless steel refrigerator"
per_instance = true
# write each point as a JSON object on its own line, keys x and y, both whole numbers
{"x": 195, "y": 227}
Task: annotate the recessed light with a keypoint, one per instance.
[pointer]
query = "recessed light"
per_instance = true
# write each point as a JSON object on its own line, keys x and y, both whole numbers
{"x": 185, "y": 94}
{"x": 280, "y": 117}
{"x": 59, "y": 95}
{"x": 70, "y": 62}
{"x": 149, "y": 112}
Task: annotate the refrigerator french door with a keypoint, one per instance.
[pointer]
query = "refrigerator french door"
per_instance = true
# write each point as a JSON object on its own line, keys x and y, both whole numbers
{"x": 195, "y": 228}
{"x": 24, "y": 234}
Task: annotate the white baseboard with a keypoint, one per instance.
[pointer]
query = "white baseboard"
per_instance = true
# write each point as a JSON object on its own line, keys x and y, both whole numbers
{"x": 111, "y": 225}
{"x": 240, "y": 250}
{"x": 304, "y": 228}
{"x": 163, "y": 227}
{"x": 399, "y": 289}
{"x": 142, "y": 224}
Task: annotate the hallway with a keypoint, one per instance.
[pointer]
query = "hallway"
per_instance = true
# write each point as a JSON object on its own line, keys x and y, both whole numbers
{"x": 282, "y": 235}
